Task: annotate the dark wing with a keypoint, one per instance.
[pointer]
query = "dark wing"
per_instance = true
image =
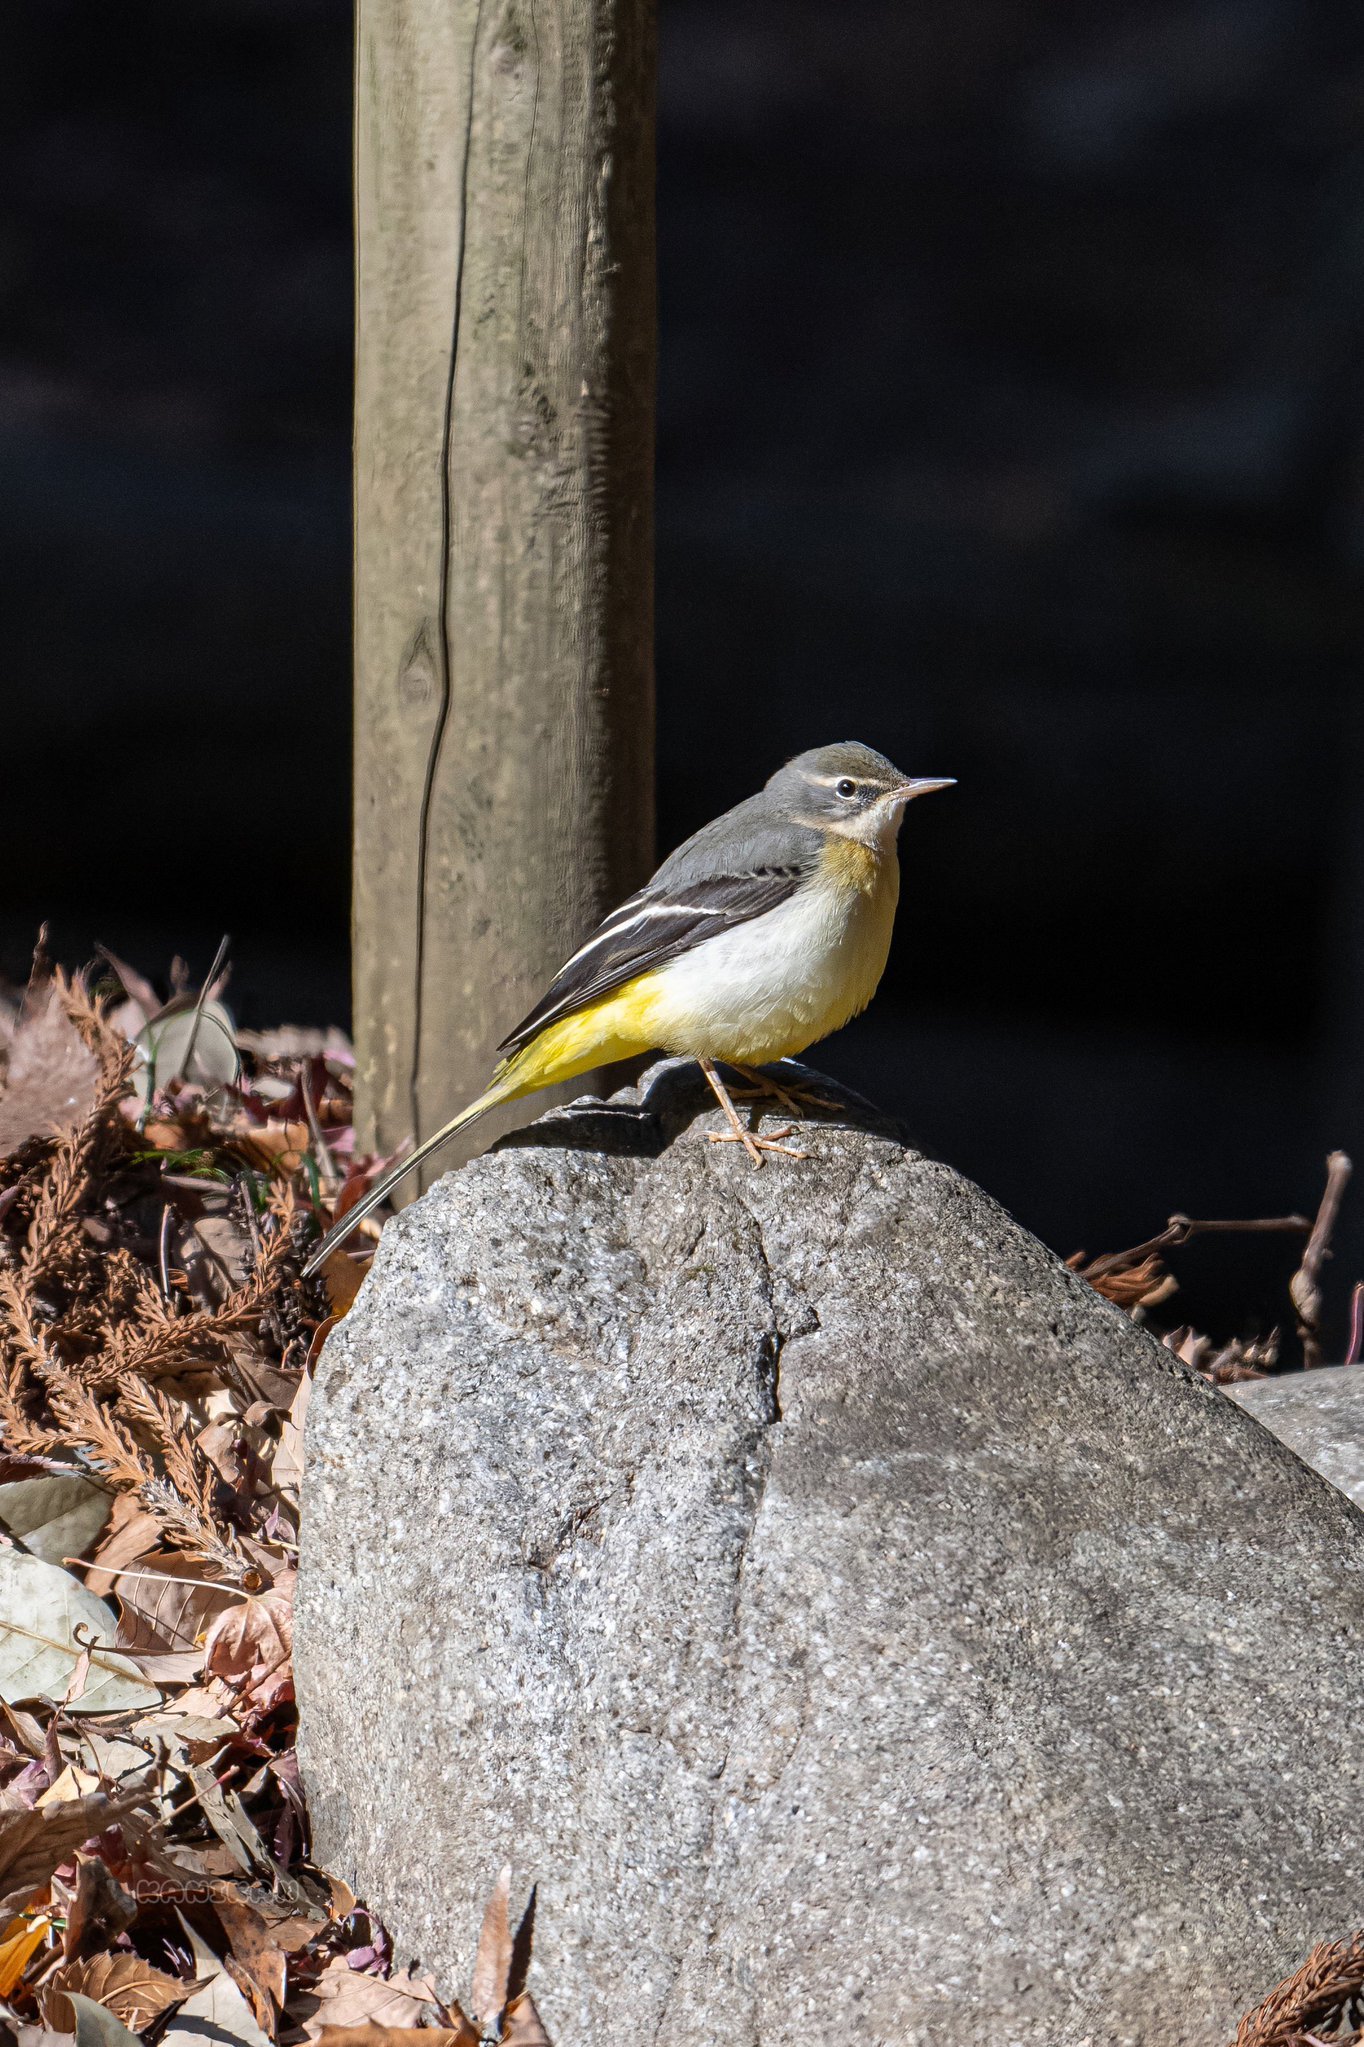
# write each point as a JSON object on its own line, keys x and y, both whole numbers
{"x": 651, "y": 927}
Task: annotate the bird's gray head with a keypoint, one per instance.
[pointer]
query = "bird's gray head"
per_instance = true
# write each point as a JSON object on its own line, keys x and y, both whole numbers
{"x": 849, "y": 789}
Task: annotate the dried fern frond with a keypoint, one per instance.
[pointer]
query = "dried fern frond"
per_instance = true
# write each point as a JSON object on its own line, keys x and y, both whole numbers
{"x": 59, "y": 1200}
{"x": 24, "y": 1360}
{"x": 100, "y": 1357}
{"x": 161, "y": 1342}
{"x": 96, "y": 1428}
{"x": 22, "y": 1340}
{"x": 182, "y": 1495}
{"x": 66, "y": 1187}
{"x": 89, "y": 1017}
{"x": 1326, "y": 1992}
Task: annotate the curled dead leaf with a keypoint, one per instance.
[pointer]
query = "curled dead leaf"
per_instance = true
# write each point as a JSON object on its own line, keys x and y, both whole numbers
{"x": 348, "y": 1997}
{"x": 124, "y": 1984}
{"x": 502, "y": 2009}
{"x": 1141, "y": 1284}
{"x": 249, "y": 1649}
{"x": 522, "y": 2025}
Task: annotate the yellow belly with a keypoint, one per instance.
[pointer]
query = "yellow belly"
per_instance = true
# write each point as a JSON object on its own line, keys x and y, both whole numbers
{"x": 763, "y": 990}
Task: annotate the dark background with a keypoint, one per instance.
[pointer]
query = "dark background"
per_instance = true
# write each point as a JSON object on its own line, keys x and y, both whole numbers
{"x": 1010, "y": 420}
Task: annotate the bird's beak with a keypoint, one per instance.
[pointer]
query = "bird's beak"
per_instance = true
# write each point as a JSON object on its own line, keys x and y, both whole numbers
{"x": 924, "y": 786}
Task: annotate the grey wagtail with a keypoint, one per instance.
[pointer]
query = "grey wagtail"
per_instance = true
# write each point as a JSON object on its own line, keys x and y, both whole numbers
{"x": 766, "y": 931}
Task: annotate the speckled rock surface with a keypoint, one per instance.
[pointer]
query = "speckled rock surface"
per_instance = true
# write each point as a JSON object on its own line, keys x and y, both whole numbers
{"x": 1318, "y": 1414}
{"x": 859, "y": 1630}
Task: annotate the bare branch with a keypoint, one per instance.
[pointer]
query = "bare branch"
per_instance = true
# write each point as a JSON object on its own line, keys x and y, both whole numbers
{"x": 1304, "y": 1289}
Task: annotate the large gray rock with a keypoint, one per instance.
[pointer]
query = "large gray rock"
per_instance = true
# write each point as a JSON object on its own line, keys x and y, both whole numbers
{"x": 859, "y": 1630}
{"x": 1320, "y": 1415}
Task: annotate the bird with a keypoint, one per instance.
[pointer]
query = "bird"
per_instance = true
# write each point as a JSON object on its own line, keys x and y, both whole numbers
{"x": 765, "y": 931}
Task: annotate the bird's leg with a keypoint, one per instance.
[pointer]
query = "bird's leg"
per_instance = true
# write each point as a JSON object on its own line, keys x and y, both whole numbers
{"x": 752, "y": 1143}
{"x": 795, "y": 1100}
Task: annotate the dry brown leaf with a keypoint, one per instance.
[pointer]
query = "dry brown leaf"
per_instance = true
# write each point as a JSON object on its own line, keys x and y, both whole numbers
{"x": 132, "y": 1535}
{"x": 56, "y": 1515}
{"x": 462, "y": 2034}
{"x": 283, "y": 1146}
{"x": 492, "y": 1963}
{"x": 343, "y": 1274}
{"x": 33, "y": 1844}
{"x": 343, "y": 1996}
{"x": 194, "y": 1719}
{"x": 215, "y": 1253}
{"x": 1142, "y": 1284}
{"x": 124, "y": 1984}
{"x": 261, "y": 1947}
{"x": 51, "y": 1079}
{"x": 167, "y": 1602}
{"x": 233, "y": 1824}
{"x": 249, "y": 1651}
{"x": 287, "y": 1470}
{"x": 24, "y": 1731}
{"x": 343, "y": 1898}
{"x": 522, "y": 2025}
{"x": 261, "y": 2003}
{"x": 217, "y": 2011}
{"x": 48, "y": 1620}
{"x": 168, "y": 1667}
{"x": 515, "y": 2022}
{"x": 217, "y": 2008}
{"x": 74, "y": 1782}
{"x": 98, "y": 1911}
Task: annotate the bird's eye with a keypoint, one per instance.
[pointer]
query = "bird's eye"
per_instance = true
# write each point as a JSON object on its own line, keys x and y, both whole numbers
{"x": 846, "y": 788}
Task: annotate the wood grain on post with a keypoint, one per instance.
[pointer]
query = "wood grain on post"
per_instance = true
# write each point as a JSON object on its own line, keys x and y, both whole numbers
{"x": 503, "y": 515}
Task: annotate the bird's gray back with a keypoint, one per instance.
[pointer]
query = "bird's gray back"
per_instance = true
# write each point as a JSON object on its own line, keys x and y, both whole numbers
{"x": 753, "y": 838}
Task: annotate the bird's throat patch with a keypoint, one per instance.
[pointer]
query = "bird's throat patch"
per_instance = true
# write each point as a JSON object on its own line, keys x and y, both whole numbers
{"x": 850, "y": 863}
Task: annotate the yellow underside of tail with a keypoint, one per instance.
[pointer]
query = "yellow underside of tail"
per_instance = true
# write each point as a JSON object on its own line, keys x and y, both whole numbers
{"x": 621, "y": 1027}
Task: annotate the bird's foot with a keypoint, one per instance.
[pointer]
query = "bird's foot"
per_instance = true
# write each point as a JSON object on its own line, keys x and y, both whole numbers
{"x": 795, "y": 1099}
{"x": 755, "y": 1144}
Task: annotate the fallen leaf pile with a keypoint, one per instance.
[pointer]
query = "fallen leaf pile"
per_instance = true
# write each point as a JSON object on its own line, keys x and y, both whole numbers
{"x": 161, "y": 1177}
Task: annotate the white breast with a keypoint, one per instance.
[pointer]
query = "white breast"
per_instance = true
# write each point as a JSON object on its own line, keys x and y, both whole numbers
{"x": 768, "y": 988}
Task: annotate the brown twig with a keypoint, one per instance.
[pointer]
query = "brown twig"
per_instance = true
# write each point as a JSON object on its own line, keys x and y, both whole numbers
{"x": 1181, "y": 1228}
{"x": 1303, "y": 1289}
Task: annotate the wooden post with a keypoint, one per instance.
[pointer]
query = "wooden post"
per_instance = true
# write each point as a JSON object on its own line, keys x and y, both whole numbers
{"x": 503, "y": 519}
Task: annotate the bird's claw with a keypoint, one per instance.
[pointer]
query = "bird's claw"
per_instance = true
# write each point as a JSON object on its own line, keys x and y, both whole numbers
{"x": 793, "y": 1100}
{"x": 755, "y": 1145}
